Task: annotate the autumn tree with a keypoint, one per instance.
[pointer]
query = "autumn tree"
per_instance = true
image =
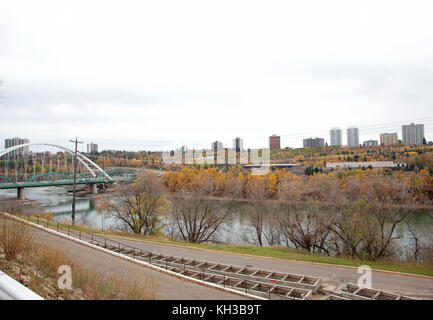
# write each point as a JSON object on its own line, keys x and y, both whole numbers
{"x": 140, "y": 205}
{"x": 271, "y": 232}
{"x": 197, "y": 217}
{"x": 258, "y": 194}
{"x": 366, "y": 229}
{"x": 301, "y": 221}
{"x": 233, "y": 185}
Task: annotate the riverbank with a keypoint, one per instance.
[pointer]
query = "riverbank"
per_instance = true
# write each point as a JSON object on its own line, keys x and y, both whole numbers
{"x": 413, "y": 206}
{"x": 112, "y": 192}
{"x": 280, "y": 253}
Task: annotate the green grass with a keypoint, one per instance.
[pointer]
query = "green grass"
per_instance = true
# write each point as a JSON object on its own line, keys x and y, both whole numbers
{"x": 271, "y": 252}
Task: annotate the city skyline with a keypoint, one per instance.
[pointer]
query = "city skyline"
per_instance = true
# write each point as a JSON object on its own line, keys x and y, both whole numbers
{"x": 381, "y": 138}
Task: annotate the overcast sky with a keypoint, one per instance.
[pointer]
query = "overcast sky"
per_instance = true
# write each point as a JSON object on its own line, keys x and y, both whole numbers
{"x": 157, "y": 74}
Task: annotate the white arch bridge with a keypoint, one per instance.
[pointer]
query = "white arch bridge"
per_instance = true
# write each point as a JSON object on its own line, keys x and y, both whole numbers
{"x": 44, "y": 164}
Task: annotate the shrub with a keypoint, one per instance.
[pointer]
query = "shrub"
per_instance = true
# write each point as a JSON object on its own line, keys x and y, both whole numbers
{"x": 15, "y": 238}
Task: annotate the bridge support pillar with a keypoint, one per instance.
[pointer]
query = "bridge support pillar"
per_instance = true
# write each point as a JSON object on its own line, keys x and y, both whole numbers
{"x": 20, "y": 193}
{"x": 93, "y": 188}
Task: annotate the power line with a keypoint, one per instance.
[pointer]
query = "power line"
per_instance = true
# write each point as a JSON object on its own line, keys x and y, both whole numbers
{"x": 291, "y": 137}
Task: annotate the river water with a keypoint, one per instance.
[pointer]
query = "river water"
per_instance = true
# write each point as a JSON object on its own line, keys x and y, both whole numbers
{"x": 58, "y": 202}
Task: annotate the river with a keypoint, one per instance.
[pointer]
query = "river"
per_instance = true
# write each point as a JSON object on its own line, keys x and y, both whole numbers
{"x": 58, "y": 202}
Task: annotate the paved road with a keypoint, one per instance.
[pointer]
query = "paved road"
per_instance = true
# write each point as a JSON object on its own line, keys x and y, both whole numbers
{"x": 168, "y": 287}
{"x": 331, "y": 275}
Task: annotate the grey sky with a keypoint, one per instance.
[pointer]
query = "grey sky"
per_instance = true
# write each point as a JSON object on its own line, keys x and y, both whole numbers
{"x": 157, "y": 74}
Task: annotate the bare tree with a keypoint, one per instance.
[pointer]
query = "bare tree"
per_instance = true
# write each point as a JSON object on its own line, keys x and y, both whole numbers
{"x": 413, "y": 252}
{"x": 140, "y": 206}
{"x": 271, "y": 233}
{"x": 367, "y": 227}
{"x": 306, "y": 229}
{"x": 258, "y": 194}
{"x": 301, "y": 221}
{"x": 420, "y": 248}
{"x": 197, "y": 215}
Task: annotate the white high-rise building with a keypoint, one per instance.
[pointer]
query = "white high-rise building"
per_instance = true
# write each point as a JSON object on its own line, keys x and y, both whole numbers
{"x": 413, "y": 133}
{"x": 92, "y": 148}
{"x": 352, "y": 137}
{"x": 336, "y": 137}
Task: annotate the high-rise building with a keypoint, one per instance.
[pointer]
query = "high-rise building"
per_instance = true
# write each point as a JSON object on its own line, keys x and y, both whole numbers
{"x": 217, "y": 146}
{"x": 92, "y": 148}
{"x": 314, "y": 143}
{"x": 370, "y": 143}
{"x": 15, "y": 142}
{"x": 352, "y": 137}
{"x": 388, "y": 139}
{"x": 238, "y": 144}
{"x": 336, "y": 137}
{"x": 413, "y": 133}
{"x": 274, "y": 142}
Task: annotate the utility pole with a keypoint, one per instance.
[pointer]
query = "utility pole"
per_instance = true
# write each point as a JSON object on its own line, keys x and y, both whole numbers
{"x": 75, "y": 178}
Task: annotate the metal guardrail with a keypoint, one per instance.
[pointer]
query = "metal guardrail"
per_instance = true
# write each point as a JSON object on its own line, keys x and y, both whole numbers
{"x": 262, "y": 283}
{"x": 10, "y": 289}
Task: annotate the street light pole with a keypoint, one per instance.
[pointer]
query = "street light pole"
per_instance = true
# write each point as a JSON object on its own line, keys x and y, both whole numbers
{"x": 75, "y": 178}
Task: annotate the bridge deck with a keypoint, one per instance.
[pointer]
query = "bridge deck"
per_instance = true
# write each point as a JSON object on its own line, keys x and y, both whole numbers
{"x": 27, "y": 184}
